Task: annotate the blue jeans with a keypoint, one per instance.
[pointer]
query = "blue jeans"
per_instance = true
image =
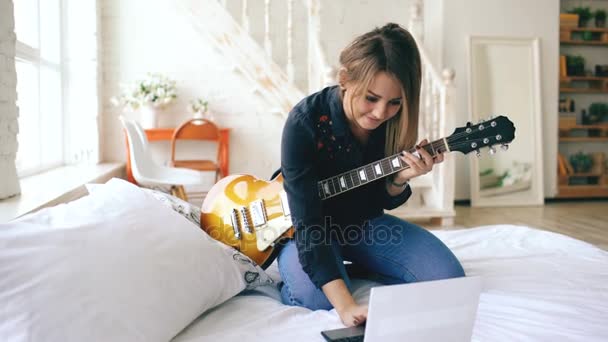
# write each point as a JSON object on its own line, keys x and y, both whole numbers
{"x": 386, "y": 249}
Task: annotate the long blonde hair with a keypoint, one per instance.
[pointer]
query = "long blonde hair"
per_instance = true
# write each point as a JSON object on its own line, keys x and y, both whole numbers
{"x": 391, "y": 49}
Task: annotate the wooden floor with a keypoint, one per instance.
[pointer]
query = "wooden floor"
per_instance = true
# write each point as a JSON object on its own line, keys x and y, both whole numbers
{"x": 587, "y": 221}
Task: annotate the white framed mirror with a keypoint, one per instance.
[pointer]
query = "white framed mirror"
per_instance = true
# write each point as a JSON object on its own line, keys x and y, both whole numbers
{"x": 504, "y": 79}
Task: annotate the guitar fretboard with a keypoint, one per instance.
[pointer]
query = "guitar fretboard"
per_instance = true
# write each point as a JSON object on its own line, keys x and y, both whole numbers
{"x": 346, "y": 181}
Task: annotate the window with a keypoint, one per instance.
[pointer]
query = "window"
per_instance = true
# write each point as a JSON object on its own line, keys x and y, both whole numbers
{"x": 39, "y": 66}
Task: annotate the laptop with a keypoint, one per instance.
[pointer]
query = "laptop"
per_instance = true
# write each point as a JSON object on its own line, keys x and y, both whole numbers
{"x": 439, "y": 310}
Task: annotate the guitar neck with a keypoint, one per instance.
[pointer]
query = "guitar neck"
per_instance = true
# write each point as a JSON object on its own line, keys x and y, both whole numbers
{"x": 349, "y": 180}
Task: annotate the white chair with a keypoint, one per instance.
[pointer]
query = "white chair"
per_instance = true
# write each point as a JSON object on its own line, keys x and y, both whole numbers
{"x": 148, "y": 173}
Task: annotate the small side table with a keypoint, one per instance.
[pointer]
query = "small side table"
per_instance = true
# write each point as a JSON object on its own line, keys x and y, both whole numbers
{"x": 165, "y": 134}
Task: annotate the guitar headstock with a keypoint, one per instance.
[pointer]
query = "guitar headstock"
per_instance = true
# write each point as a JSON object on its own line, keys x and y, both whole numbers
{"x": 472, "y": 137}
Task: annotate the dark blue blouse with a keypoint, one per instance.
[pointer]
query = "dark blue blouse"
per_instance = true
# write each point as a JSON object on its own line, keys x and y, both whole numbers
{"x": 317, "y": 143}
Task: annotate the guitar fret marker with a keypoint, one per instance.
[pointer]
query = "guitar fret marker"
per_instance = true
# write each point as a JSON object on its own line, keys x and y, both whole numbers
{"x": 343, "y": 182}
{"x": 326, "y": 188}
{"x": 396, "y": 163}
{"x": 378, "y": 169}
{"x": 362, "y": 175}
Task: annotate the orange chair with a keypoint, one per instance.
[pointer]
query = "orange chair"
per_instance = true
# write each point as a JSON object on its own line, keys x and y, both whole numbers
{"x": 198, "y": 129}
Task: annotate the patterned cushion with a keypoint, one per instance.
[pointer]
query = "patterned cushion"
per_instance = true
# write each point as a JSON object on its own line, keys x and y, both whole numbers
{"x": 253, "y": 274}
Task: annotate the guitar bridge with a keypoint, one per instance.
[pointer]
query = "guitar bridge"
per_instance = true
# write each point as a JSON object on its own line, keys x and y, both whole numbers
{"x": 246, "y": 223}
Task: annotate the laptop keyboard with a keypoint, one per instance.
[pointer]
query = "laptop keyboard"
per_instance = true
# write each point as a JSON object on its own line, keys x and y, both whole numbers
{"x": 351, "y": 334}
{"x": 350, "y": 339}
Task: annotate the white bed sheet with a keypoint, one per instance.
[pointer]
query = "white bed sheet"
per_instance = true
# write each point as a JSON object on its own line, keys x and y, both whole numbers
{"x": 538, "y": 286}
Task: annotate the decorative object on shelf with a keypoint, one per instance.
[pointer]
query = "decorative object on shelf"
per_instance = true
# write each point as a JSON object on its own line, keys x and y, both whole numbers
{"x": 600, "y": 18}
{"x": 567, "y": 120}
{"x": 568, "y": 20}
{"x": 564, "y": 166}
{"x": 585, "y": 117}
{"x": 598, "y": 111}
{"x": 587, "y": 36}
{"x": 601, "y": 70}
{"x": 563, "y": 70}
{"x": 566, "y": 105}
{"x": 581, "y": 163}
{"x": 584, "y": 14}
{"x": 200, "y": 109}
{"x": 575, "y": 65}
{"x": 148, "y": 96}
{"x": 598, "y": 160}
{"x": 148, "y": 116}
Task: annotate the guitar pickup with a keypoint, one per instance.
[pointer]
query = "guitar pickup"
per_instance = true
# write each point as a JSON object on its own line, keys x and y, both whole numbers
{"x": 258, "y": 213}
{"x": 285, "y": 204}
{"x": 234, "y": 220}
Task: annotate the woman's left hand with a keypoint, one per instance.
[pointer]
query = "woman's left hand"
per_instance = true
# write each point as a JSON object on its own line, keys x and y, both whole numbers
{"x": 418, "y": 165}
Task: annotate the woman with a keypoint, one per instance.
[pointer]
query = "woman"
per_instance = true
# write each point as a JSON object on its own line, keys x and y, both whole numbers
{"x": 373, "y": 113}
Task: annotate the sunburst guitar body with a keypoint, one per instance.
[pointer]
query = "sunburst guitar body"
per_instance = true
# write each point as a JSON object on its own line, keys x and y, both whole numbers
{"x": 249, "y": 214}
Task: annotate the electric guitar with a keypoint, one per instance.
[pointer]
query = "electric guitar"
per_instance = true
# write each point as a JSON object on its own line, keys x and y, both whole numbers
{"x": 252, "y": 215}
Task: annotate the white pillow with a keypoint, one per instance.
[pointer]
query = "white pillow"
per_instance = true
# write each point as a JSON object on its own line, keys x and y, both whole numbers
{"x": 251, "y": 272}
{"x": 116, "y": 265}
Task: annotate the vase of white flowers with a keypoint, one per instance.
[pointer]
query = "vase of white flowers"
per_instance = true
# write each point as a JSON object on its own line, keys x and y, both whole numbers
{"x": 147, "y": 96}
{"x": 148, "y": 116}
{"x": 200, "y": 109}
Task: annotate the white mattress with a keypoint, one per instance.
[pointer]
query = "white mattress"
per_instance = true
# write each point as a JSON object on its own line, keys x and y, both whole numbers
{"x": 538, "y": 286}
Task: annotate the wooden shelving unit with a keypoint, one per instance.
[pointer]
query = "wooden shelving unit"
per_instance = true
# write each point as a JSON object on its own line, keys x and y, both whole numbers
{"x": 583, "y": 84}
{"x": 583, "y": 42}
{"x": 583, "y": 139}
{"x": 583, "y": 133}
{"x": 578, "y": 191}
{"x": 594, "y": 183}
{"x": 574, "y": 36}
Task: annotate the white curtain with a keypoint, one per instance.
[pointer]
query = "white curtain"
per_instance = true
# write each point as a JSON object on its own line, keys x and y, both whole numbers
{"x": 81, "y": 105}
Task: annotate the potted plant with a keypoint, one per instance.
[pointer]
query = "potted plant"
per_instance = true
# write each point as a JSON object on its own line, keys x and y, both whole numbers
{"x": 147, "y": 96}
{"x": 584, "y": 14}
{"x": 575, "y": 65}
{"x": 581, "y": 162}
{"x": 600, "y": 18}
{"x": 596, "y": 112}
{"x": 199, "y": 109}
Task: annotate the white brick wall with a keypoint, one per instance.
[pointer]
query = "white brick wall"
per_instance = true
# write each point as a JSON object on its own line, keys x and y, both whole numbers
{"x": 9, "y": 183}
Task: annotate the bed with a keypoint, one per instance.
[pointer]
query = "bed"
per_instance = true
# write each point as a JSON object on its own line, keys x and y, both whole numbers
{"x": 538, "y": 286}
{"x": 121, "y": 265}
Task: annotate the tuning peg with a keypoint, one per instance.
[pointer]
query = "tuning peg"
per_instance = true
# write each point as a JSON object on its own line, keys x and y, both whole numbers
{"x": 492, "y": 150}
{"x": 478, "y": 153}
{"x": 504, "y": 147}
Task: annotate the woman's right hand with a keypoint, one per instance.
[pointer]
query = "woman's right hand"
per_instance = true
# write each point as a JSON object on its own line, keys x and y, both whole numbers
{"x": 339, "y": 296}
{"x": 353, "y": 314}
